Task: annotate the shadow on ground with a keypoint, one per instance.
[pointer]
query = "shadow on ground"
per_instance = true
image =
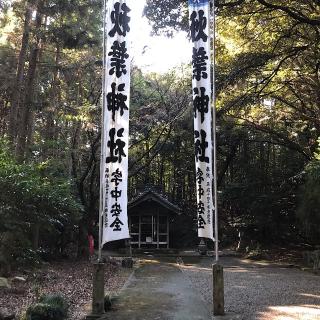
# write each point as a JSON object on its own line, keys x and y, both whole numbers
{"x": 159, "y": 290}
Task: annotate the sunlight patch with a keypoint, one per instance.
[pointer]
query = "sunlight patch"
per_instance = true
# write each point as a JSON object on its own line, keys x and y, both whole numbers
{"x": 291, "y": 313}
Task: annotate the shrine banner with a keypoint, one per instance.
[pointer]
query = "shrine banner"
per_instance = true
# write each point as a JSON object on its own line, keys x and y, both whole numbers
{"x": 199, "y": 19}
{"x": 115, "y": 122}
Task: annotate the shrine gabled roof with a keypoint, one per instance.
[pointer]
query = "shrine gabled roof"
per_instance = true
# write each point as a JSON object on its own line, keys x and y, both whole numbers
{"x": 154, "y": 196}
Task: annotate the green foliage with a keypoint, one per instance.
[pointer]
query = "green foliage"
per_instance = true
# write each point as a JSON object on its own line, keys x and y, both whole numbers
{"x": 267, "y": 98}
{"x": 268, "y": 120}
{"x": 308, "y": 211}
{"x": 49, "y": 307}
{"x": 43, "y": 311}
{"x": 31, "y": 196}
{"x": 167, "y": 15}
{"x": 29, "y": 189}
{"x": 317, "y": 153}
{"x": 107, "y": 303}
{"x": 57, "y": 301}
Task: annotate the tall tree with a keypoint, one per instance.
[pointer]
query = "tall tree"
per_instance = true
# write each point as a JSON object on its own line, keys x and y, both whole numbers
{"x": 18, "y": 87}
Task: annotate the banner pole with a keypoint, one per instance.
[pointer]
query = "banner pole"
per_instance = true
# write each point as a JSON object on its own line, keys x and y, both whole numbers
{"x": 214, "y": 138}
{"x": 102, "y": 132}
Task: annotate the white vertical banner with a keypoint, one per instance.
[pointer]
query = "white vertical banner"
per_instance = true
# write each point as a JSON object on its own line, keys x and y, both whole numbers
{"x": 199, "y": 19}
{"x": 115, "y": 133}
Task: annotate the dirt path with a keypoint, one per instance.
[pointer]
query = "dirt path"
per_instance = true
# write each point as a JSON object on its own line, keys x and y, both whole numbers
{"x": 260, "y": 291}
{"x": 159, "y": 290}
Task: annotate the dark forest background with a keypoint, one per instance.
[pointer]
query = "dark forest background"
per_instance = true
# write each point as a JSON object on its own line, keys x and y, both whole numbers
{"x": 268, "y": 118}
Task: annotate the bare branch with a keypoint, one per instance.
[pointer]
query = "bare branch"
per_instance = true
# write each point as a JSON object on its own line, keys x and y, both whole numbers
{"x": 297, "y": 16}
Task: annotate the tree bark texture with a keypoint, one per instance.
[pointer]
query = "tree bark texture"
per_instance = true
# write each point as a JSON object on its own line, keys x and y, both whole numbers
{"x": 18, "y": 87}
{"x": 25, "y": 117}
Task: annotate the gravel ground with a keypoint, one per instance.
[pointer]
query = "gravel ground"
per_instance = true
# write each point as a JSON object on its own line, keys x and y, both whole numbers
{"x": 260, "y": 291}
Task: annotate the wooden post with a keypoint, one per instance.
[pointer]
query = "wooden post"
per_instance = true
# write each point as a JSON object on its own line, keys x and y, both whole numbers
{"x": 168, "y": 232}
{"x": 130, "y": 248}
{"x": 139, "y": 230}
{"x": 218, "y": 290}
{"x": 98, "y": 289}
{"x": 158, "y": 220}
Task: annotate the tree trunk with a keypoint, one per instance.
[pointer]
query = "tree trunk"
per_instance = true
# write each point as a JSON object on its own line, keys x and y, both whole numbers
{"x": 35, "y": 236}
{"x": 25, "y": 112}
{"x": 147, "y": 160}
{"x": 83, "y": 247}
{"x": 18, "y": 87}
{"x": 50, "y": 128}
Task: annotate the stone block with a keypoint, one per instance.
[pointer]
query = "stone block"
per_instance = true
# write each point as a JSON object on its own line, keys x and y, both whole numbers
{"x": 4, "y": 283}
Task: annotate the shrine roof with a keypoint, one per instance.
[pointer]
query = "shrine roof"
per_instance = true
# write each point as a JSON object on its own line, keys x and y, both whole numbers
{"x": 150, "y": 195}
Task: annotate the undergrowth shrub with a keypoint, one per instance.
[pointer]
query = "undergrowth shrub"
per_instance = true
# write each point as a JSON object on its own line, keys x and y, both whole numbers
{"x": 49, "y": 307}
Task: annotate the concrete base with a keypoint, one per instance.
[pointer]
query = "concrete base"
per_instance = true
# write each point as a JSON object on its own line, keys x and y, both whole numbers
{"x": 228, "y": 316}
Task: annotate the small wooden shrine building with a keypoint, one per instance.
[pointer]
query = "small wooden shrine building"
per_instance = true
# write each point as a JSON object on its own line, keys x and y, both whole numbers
{"x": 150, "y": 214}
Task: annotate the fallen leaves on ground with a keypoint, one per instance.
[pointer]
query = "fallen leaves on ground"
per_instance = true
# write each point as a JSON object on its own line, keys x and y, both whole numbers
{"x": 71, "y": 279}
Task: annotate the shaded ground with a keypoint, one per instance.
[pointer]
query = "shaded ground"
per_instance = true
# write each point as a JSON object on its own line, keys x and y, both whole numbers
{"x": 290, "y": 254}
{"x": 260, "y": 291}
{"x": 254, "y": 290}
{"x": 159, "y": 290}
{"x": 72, "y": 279}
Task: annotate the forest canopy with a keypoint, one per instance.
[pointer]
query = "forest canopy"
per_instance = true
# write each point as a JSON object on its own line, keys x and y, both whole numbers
{"x": 268, "y": 117}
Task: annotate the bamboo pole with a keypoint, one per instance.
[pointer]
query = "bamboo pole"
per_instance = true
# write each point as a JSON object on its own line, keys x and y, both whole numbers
{"x": 214, "y": 139}
{"x": 102, "y": 133}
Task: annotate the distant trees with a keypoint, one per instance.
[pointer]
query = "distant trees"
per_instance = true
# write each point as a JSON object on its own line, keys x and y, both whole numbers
{"x": 268, "y": 109}
{"x": 45, "y": 32}
{"x": 308, "y": 210}
{"x": 50, "y": 54}
{"x": 268, "y": 121}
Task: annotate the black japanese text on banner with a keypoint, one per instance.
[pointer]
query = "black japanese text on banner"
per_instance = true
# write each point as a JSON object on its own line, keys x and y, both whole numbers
{"x": 116, "y": 122}
{"x": 201, "y": 62}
